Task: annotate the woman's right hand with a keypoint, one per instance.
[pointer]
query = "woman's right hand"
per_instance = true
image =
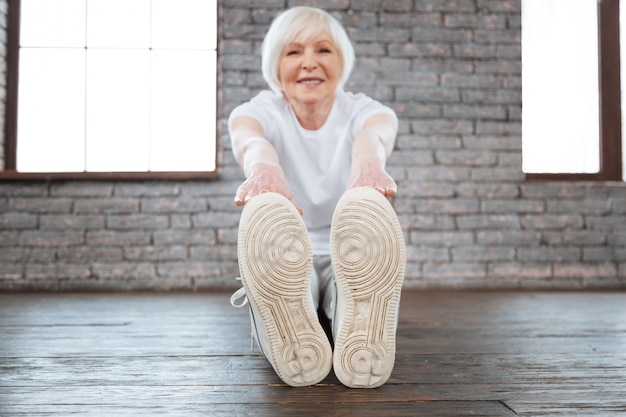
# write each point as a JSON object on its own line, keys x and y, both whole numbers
{"x": 264, "y": 178}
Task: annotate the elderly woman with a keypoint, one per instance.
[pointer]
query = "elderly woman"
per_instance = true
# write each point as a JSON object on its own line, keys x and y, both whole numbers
{"x": 316, "y": 229}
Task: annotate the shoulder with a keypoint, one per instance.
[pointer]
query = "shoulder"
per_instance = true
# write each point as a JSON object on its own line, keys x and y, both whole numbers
{"x": 264, "y": 102}
{"x": 359, "y": 102}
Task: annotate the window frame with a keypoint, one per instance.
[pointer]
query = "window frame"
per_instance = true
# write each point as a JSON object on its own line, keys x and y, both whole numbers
{"x": 10, "y": 126}
{"x": 610, "y": 102}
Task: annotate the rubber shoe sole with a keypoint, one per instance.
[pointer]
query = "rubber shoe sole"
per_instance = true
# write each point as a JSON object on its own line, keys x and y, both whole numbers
{"x": 369, "y": 258}
{"x": 275, "y": 262}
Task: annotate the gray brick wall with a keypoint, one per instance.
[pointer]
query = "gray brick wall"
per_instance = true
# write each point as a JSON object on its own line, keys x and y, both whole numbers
{"x": 452, "y": 71}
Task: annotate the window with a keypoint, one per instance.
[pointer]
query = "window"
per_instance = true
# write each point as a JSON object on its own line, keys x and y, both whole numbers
{"x": 571, "y": 124}
{"x": 111, "y": 88}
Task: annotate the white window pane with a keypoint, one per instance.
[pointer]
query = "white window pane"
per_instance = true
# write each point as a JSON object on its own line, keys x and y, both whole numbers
{"x": 189, "y": 24}
{"x": 560, "y": 90}
{"x": 622, "y": 25}
{"x": 51, "y": 110}
{"x": 183, "y": 113}
{"x": 117, "y": 133}
{"x": 118, "y": 23}
{"x": 53, "y": 23}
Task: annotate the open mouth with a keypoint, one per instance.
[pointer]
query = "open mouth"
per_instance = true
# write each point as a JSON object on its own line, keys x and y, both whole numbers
{"x": 310, "y": 81}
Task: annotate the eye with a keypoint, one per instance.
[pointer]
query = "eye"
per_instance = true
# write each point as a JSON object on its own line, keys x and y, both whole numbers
{"x": 292, "y": 52}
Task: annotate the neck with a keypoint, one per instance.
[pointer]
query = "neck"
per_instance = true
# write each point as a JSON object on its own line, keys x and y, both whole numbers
{"x": 312, "y": 116}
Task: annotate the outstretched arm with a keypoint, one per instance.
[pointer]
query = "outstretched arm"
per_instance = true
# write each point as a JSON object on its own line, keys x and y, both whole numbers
{"x": 259, "y": 161}
{"x": 370, "y": 151}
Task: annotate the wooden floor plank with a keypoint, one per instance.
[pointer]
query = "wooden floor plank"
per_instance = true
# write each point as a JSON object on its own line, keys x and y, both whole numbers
{"x": 459, "y": 353}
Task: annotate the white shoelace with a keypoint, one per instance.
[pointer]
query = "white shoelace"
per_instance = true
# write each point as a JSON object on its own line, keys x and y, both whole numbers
{"x": 240, "y": 294}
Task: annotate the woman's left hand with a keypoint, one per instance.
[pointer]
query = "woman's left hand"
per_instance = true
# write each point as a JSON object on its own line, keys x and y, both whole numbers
{"x": 371, "y": 174}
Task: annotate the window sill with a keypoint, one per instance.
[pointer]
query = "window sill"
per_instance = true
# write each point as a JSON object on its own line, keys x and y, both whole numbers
{"x": 10, "y": 175}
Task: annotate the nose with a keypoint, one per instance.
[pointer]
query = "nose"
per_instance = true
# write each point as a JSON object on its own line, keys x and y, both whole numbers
{"x": 308, "y": 60}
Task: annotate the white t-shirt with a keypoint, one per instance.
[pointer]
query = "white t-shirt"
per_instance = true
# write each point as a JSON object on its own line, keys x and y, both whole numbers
{"x": 316, "y": 162}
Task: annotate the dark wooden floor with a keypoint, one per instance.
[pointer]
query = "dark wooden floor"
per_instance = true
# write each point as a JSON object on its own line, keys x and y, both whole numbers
{"x": 459, "y": 354}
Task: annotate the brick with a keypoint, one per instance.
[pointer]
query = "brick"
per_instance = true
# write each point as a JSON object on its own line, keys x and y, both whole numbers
{"x": 386, "y": 5}
{"x": 551, "y": 191}
{"x": 178, "y": 270}
{"x": 8, "y": 237}
{"x": 457, "y": 271}
{"x": 519, "y": 271}
{"x": 513, "y": 206}
{"x": 214, "y": 220}
{"x": 137, "y": 221}
{"x": 16, "y": 221}
{"x": 489, "y": 96}
{"x": 81, "y": 189}
{"x": 486, "y": 221}
{"x": 444, "y": 35}
{"x": 496, "y": 6}
{"x": 10, "y": 271}
{"x": 8, "y": 255}
{"x": 28, "y": 189}
{"x": 443, "y": 126}
{"x": 448, "y": 206}
{"x": 41, "y": 205}
{"x": 88, "y": 254}
{"x": 411, "y": 20}
{"x": 482, "y": 254}
{"x": 574, "y": 238}
{"x": 417, "y": 222}
{"x": 178, "y": 205}
{"x": 182, "y": 236}
{"x": 552, "y": 221}
{"x": 124, "y": 271}
{"x": 586, "y": 270}
{"x": 117, "y": 237}
{"x": 466, "y": 111}
{"x": 604, "y": 254}
{"x": 445, "y": 5}
{"x": 516, "y": 238}
{"x": 497, "y": 190}
{"x": 503, "y": 174}
{"x": 428, "y": 190}
{"x": 594, "y": 207}
{"x": 493, "y": 22}
{"x": 513, "y": 37}
{"x": 465, "y": 158}
{"x": 57, "y": 272}
{"x": 52, "y": 238}
{"x": 439, "y": 64}
{"x": 108, "y": 205}
{"x": 213, "y": 253}
{"x": 441, "y": 238}
{"x": 548, "y": 254}
{"x": 615, "y": 224}
{"x": 492, "y": 142}
{"x": 71, "y": 222}
{"x": 328, "y": 5}
{"x": 156, "y": 253}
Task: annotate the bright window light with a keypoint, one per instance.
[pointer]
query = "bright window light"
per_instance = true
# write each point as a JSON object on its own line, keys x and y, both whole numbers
{"x": 560, "y": 123}
{"x": 117, "y": 86}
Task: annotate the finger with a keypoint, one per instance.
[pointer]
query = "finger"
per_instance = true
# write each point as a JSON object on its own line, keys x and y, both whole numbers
{"x": 240, "y": 196}
{"x": 293, "y": 201}
{"x": 390, "y": 192}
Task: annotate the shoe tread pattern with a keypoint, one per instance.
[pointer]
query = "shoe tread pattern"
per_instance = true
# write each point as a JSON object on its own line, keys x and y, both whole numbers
{"x": 368, "y": 254}
{"x": 275, "y": 263}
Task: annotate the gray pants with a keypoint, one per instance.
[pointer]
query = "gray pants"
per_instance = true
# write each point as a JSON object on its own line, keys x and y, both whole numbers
{"x": 323, "y": 285}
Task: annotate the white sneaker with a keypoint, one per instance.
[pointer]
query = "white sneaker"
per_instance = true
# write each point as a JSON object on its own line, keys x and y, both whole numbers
{"x": 275, "y": 261}
{"x": 369, "y": 258}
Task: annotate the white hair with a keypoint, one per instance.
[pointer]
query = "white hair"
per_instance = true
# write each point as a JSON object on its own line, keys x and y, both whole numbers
{"x": 303, "y": 22}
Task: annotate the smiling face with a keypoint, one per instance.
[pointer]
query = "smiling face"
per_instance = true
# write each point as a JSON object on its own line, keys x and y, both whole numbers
{"x": 309, "y": 70}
